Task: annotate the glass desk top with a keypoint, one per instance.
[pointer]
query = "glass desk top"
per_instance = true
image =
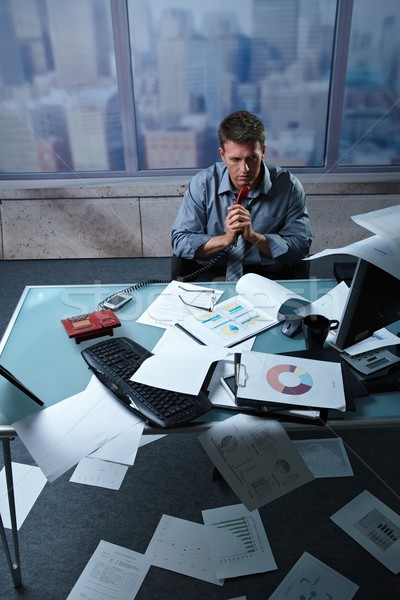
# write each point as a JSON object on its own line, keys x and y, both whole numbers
{"x": 37, "y": 350}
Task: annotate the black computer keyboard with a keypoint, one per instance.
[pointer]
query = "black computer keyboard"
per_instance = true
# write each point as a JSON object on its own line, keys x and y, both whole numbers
{"x": 115, "y": 360}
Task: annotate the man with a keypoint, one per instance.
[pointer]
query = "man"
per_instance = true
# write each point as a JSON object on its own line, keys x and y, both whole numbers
{"x": 272, "y": 224}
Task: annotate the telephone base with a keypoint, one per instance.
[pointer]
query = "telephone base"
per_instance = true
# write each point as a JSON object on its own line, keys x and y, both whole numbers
{"x": 91, "y": 325}
{"x": 94, "y": 334}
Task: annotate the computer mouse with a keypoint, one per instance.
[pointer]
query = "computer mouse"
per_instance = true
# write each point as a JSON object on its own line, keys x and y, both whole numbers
{"x": 292, "y": 326}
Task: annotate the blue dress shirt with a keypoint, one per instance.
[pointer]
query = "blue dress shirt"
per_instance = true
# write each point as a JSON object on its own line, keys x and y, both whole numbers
{"x": 278, "y": 210}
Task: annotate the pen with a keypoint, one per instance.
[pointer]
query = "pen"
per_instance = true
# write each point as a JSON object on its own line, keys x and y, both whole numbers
{"x": 178, "y": 326}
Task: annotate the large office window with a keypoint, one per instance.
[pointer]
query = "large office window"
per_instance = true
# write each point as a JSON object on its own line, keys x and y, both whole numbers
{"x": 370, "y": 130}
{"x": 195, "y": 63}
{"x": 138, "y": 87}
{"x": 59, "y": 106}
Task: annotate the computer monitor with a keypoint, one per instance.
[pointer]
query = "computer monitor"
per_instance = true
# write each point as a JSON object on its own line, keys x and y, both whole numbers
{"x": 373, "y": 302}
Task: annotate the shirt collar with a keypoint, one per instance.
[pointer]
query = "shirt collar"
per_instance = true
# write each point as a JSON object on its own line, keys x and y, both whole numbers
{"x": 225, "y": 183}
{"x": 263, "y": 188}
{"x": 265, "y": 183}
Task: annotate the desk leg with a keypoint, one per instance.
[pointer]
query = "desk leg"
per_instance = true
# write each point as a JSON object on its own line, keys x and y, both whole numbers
{"x": 14, "y": 566}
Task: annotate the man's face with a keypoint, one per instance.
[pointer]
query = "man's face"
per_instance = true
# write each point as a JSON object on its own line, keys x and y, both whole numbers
{"x": 243, "y": 162}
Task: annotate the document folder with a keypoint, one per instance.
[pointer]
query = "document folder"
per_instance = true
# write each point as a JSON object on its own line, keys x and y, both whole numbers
{"x": 352, "y": 388}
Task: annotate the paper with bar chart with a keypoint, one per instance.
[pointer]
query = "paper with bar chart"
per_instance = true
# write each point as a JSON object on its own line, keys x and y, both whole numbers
{"x": 256, "y": 307}
{"x": 373, "y": 525}
{"x": 230, "y": 322}
{"x": 238, "y": 542}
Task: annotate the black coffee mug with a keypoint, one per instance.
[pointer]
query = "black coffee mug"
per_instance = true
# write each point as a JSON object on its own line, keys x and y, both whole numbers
{"x": 316, "y": 329}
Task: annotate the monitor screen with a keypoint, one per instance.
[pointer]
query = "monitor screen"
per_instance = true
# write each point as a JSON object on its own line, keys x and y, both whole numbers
{"x": 373, "y": 302}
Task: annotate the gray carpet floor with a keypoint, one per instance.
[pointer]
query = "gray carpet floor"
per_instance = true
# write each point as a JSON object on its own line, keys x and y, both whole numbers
{"x": 174, "y": 476}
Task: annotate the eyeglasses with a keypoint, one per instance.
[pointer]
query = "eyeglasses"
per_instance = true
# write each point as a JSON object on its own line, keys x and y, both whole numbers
{"x": 213, "y": 298}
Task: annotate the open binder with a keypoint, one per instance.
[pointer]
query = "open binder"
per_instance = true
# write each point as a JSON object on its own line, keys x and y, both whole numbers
{"x": 287, "y": 411}
{"x": 259, "y": 303}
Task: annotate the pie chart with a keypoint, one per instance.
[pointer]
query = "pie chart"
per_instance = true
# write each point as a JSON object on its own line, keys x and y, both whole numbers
{"x": 289, "y": 379}
{"x": 230, "y": 329}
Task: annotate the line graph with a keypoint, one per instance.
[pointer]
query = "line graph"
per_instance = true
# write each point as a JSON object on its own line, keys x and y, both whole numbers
{"x": 182, "y": 546}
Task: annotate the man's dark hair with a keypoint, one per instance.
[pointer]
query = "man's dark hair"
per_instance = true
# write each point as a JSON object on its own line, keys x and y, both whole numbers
{"x": 241, "y": 127}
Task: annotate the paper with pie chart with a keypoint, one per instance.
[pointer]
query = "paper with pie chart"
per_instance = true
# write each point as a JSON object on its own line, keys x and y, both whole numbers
{"x": 291, "y": 380}
{"x": 256, "y": 458}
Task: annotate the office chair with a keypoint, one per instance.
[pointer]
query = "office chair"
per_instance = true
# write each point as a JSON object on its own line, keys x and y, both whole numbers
{"x": 184, "y": 267}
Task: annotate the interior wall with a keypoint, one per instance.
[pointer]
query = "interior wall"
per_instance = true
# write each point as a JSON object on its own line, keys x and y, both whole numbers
{"x": 107, "y": 219}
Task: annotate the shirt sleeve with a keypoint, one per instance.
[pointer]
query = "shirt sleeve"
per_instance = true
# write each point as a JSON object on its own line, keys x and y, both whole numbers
{"x": 188, "y": 231}
{"x": 290, "y": 241}
{"x": 202, "y": 213}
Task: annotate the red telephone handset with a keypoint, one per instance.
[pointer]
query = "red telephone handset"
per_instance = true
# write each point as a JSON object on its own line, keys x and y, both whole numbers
{"x": 244, "y": 192}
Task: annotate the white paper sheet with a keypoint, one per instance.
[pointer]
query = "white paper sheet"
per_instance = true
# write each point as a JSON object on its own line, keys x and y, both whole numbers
{"x": 325, "y": 457}
{"x": 182, "y": 546}
{"x": 99, "y": 473}
{"x": 331, "y": 304}
{"x": 379, "y": 339}
{"x": 238, "y": 542}
{"x": 373, "y": 249}
{"x": 256, "y": 457}
{"x": 171, "y": 338}
{"x": 181, "y": 368}
{"x": 28, "y": 481}
{"x": 59, "y": 436}
{"x": 292, "y": 380}
{"x": 168, "y": 308}
{"x": 311, "y": 578}
{"x": 384, "y": 222}
{"x": 266, "y": 294}
{"x": 175, "y": 337}
{"x": 123, "y": 448}
{"x": 373, "y": 525}
{"x": 149, "y": 439}
{"x": 113, "y": 572}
